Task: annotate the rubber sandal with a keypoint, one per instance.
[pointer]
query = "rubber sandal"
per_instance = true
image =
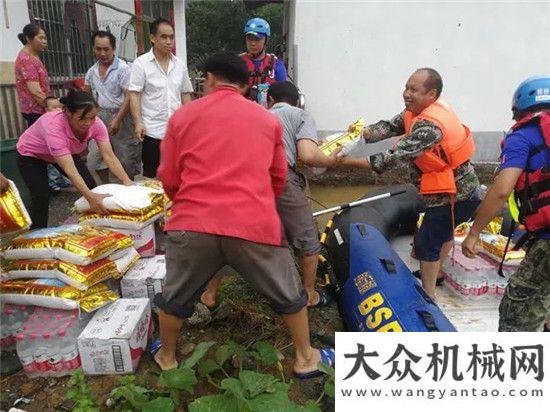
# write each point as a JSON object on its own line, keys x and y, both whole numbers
{"x": 438, "y": 282}
{"x": 154, "y": 347}
{"x": 328, "y": 357}
{"x": 324, "y": 300}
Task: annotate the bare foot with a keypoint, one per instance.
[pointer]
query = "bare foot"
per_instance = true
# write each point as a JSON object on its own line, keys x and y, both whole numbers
{"x": 313, "y": 298}
{"x": 308, "y": 365}
{"x": 164, "y": 364}
{"x": 208, "y": 299}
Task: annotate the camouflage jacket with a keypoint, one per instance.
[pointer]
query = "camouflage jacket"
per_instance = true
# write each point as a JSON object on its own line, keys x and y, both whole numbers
{"x": 422, "y": 136}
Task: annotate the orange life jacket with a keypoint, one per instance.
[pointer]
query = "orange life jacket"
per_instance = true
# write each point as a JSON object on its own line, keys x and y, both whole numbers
{"x": 455, "y": 148}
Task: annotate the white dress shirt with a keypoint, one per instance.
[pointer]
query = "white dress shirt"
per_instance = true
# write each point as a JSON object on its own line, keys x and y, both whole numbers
{"x": 160, "y": 91}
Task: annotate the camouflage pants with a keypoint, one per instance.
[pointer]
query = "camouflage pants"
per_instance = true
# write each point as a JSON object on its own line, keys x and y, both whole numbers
{"x": 526, "y": 302}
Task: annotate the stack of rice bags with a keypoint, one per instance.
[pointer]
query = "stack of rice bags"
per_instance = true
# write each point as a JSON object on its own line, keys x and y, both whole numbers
{"x": 133, "y": 211}
{"x": 65, "y": 267}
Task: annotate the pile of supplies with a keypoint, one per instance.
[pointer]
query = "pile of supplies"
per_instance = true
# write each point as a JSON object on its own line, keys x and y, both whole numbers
{"x": 133, "y": 210}
{"x": 479, "y": 277}
{"x": 64, "y": 267}
{"x": 55, "y": 281}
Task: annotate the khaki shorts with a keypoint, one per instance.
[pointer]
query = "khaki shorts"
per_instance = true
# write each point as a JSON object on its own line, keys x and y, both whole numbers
{"x": 296, "y": 216}
{"x": 193, "y": 258}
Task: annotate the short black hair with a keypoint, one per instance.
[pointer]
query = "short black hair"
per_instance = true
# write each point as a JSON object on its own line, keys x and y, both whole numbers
{"x": 103, "y": 33}
{"x": 433, "y": 81}
{"x": 30, "y": 31}
{"x": 77, "y": 100}
{"x": 284, "y": 92}
{"x": 227, "y": 66}
{"x": 154, "y": 26}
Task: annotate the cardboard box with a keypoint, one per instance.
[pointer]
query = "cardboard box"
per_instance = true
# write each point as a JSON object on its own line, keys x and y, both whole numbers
{"x": 145, "y": 279}
{"x": 115, "y": 338}
{"x": 144, "y": 239}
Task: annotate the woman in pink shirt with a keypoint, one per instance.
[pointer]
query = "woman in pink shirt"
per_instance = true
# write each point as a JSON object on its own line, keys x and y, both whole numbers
{"x": 61, "y": 138}
{"x": 31, "y": 77}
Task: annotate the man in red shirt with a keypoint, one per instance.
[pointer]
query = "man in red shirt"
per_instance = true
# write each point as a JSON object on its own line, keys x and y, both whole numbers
{"x": 222, "y": 164}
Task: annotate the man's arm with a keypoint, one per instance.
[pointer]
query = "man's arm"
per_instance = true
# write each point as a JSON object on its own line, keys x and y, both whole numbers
{"x": 384, "y": 129}
{"x": 311, "y": 155}
{"x": 496, "y": 197}
{"x": 186, "y": 98}
{"x": 279, "y": 164}
{"x": 135, "y": 87}
{"x": 135, "y": 107}
{"x": 423, "y": 136}
{"x": 168, "y": 172}
{"x": 119, "y": 117}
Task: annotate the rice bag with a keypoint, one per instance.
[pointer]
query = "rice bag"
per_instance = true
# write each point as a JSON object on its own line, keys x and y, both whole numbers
{"x": 13, "y": 215}
{"x": 124, "y": 220}
{"x": 52, "y": 293}
{"x": 125, "y": 261}
{"x": 78, "y": 244}
{"x": 79, "y": 277}
{"x": 125, "y": 199}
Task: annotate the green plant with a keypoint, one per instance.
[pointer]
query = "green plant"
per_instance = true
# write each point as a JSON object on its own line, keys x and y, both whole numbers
{"x": 135, "y": 397}
{"x": 329, "y": 387}
{"x": 251, "y": 392}
{"x": 81, "y": 393}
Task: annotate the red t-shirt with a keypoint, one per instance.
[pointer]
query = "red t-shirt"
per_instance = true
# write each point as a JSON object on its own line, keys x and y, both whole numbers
{"x": 223, "y": 163}
{"x": 29, "y": 68}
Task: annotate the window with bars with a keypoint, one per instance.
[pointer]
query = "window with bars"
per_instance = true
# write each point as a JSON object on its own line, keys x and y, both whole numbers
{"x": 69, "y": 25}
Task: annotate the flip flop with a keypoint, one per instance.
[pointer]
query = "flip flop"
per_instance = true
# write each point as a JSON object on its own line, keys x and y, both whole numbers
{"x": 324, "y": 300}
{"x": 438, "y": 281}
{"x": 154, "y": 348}
{"x": 328, "y": 358}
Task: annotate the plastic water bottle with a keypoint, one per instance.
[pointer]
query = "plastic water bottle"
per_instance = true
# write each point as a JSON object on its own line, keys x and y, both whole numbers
{"x": 69, "y": 348}
{"x": 41, "y": 350}
{"x": 25, "y": 350}
{"x": 55, "y": 360}
{"x": 262, "y": 94}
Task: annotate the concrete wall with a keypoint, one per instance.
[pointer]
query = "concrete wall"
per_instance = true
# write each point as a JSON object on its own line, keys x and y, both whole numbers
{"x": 352, "y": 58}
{"x": 14, "y": 15}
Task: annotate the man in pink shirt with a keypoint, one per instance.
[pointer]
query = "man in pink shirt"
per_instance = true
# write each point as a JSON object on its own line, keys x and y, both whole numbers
{"x": 222, "y": 164}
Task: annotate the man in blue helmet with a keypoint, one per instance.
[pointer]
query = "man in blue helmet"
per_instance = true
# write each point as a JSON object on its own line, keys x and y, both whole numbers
{"x": 264, "y": 68}
{"x": 525, "y": 171}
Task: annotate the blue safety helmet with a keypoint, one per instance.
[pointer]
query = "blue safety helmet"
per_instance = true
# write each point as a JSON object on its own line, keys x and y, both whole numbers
{"x": 258, "y": 27}
{"x": 532, "y": 92}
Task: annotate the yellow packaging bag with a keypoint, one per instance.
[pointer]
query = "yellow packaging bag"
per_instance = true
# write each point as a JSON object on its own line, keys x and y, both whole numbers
{"x": 13, "y": 215}
{"x": 52, "y": 293}
{"x": 79, "y": 277}
{"x": 493, "y": 246}
{"x": 328, "y": 147}
{"x": 119, "y": 220}
{"x": 77, "y": 244}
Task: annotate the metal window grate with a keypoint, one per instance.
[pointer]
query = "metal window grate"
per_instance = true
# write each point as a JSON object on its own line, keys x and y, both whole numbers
{"x": 69, "y": 25}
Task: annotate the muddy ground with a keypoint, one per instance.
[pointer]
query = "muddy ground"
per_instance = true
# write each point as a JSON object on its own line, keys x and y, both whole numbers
{"x": 242, "y": 316}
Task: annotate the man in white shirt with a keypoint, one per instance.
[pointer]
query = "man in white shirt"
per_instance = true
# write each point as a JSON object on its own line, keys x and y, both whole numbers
{"x": 108, "y": 80}
{"x": 159, "y": 84}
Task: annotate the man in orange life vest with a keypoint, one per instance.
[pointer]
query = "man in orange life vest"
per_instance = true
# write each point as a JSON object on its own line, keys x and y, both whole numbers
{"x": 264, "y": 68}
{"x": 436, "y": 148}
{"x": 525, "y": 171}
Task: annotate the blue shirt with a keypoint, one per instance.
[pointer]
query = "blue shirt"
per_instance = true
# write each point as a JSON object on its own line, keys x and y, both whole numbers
{"x": 515, "y": 154}
{"x": 111, "y": 90}
{"x": 280, "y": 69}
